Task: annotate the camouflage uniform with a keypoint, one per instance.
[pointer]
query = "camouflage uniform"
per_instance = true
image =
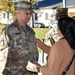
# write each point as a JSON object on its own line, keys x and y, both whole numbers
{"x": 60, "y": 12}
{"x": 21, "y": 49}
{"x": 52, "y": 33}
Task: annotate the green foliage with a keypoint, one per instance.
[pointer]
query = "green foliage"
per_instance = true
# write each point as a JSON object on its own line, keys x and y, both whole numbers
{"x": 60, "y": 6}
{"x": 1, "y": 27}
{"x": 41, "y": 32}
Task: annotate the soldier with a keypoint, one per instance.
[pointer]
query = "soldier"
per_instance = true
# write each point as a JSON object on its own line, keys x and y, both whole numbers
{"x": 20, "y": 41}
{"x": 60, "y": 12}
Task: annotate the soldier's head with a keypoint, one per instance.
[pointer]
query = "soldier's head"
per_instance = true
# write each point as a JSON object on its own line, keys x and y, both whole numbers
{"x": 24, "y": 12}
{"x": 61, "y": 12}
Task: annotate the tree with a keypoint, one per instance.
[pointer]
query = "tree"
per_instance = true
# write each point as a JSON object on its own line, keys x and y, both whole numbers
{"x": 7, "y": 6}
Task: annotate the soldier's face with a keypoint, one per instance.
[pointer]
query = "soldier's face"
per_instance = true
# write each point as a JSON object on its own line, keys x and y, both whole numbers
{"x": 24, "y": 17}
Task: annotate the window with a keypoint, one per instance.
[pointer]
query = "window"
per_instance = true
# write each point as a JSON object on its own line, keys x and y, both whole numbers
{"x": 3, "y": 15}
{"x": 7, "y": 15}
{"x": 46, "y": 16}
{"x": 36, "y": 16}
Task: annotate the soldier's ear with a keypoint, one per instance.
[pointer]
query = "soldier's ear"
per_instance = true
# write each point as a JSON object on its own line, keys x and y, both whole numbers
{"x": 18, "y": 12}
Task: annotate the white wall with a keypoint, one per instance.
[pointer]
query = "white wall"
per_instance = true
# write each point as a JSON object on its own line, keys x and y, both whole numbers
{"x": 4, "y": 18}
{"x": 71, "y": 10}
{"x": 42, "y": 15}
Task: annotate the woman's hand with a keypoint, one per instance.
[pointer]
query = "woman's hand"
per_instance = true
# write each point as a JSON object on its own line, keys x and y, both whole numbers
{"x": 37, "y": 41}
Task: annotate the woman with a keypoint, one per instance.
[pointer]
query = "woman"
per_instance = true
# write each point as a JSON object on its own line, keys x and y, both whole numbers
{"x": 61, "y": 53}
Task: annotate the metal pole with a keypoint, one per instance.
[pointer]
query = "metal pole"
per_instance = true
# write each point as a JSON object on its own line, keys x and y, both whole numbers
{"x": 64, "y": 3}
{"x": 43, "y": 53}
{"x": 32, "y": 15}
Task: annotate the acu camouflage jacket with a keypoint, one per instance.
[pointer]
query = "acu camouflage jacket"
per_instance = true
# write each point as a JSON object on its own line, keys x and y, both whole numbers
{"x": 21, "y": 48}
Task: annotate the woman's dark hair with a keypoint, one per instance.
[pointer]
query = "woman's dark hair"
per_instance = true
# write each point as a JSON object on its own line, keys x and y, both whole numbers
{"x": 67, "y": 28}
